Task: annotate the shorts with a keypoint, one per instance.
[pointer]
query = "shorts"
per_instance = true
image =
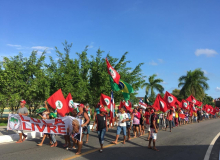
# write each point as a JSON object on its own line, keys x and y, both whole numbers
{"x": 20, "y": 131}
{"x": 153, "y": 135}
{"x": 87, "y": 130}
{"x": 148, "y": 127}
{"x": 128, "y": 126}
{"x": 136, "y": 125}
{"x": 123, "y": 128}
{"x": 76, "y": 136}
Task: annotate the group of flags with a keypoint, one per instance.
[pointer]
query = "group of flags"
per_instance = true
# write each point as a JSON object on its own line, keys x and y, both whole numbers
{"x": 62, "y": 105}
{"x": 169, "y": 101}
{"x": 117, "y": 84}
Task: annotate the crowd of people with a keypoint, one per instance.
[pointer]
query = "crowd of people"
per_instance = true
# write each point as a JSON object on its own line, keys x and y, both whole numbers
{"x": 126, "y": 120}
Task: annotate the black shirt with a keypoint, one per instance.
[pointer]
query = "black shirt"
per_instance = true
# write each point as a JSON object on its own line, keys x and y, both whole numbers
{"x": 101, "y": 122}
{"x": 153, "y": 118}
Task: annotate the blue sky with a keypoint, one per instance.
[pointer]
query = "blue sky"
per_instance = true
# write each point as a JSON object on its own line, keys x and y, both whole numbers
{"x": 170, "y": 37}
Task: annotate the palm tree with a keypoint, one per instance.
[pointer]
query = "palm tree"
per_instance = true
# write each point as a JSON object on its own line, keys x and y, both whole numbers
{"x": 153, "y": 85}
{"x": 194, "y": 82}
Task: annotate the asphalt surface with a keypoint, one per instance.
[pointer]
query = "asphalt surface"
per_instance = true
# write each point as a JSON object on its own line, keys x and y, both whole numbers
{"x": 188, "y": 142}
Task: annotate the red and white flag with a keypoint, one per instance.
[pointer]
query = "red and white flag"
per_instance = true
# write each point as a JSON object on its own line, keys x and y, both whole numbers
{"x": 184, "y": 105}
{"x": 160, "y": 104}
{"x": 216, "y": 109}
{"x": 57, "y": 101}
{"x": 194, "y": 101}
{"x": 105, "y": 100}
{"x": 212, "y": 110}
{"x": 112, "y": 72}
{"x": 70, "y": 103}
{"x": 127, "y": 105}
{"x": 170, "y": 100}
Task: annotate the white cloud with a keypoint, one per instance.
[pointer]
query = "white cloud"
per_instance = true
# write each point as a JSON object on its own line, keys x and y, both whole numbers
{"x": 164, "y": 82}
{"x": 153, "y": 63}
{"x": 41, "y": 48}
{"x": 205, "y": 72}
{"x": 218, "y": 89}
{"x": 207, "y": 52}
{"x": 14, "y": 45}
{"x": 160, "y": 60}
{"x": 91, "y": 45}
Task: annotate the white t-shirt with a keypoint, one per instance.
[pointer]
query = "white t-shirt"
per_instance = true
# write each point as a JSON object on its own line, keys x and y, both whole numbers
{"x": 120, "y": 118}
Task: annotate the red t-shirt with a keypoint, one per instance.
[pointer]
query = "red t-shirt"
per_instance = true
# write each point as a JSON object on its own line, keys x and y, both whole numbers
{"x": 147, "y": 116}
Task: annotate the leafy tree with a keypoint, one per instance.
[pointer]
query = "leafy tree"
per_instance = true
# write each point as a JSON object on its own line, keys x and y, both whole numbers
{"x": 195, "y": 83}
{"x": 30, "y": 78}
{"x": 176, "y": 93}
{"x": 152, "y": 85}
{"x": 208, "y": 100}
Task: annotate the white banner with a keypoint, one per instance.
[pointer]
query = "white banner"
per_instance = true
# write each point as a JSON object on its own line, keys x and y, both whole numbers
{"x": 52, "y": 126}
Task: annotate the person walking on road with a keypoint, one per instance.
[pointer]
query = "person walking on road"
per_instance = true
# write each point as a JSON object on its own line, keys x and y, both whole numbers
{"x": 153, "y": 128}
{"x": 24, "y": 112}
{"x": 147, "y": 117}
{"x": 101, "y": 127}
{"x": 136, "y": 122}
{"x": 122, "y": 117}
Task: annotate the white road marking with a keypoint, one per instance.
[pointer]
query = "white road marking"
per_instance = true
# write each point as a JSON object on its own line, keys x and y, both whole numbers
{"x": 207, "y": 155}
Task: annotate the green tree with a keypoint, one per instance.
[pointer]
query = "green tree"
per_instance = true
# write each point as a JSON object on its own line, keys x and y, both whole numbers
{"x": 153, "y": 85}
{"x": 176, "y": 93}
{"x": 195, "y": 83}
{"x": 208, "y": 100}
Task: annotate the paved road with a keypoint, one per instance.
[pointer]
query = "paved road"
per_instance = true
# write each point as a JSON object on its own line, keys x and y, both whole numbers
{"x": 184, "y": 143}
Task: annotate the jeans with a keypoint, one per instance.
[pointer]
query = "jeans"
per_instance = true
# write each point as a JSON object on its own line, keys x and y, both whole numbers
{"x": 53, "y": 138}
{"x": 173, "y": 124}
{"x": 101, "y": 135}
{"x": 123, "y": 128}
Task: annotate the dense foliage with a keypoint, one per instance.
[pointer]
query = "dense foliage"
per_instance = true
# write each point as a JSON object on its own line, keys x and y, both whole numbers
{"x": 85, "y": 77}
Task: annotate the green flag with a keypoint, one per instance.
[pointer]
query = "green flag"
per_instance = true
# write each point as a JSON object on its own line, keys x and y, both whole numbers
{"x": 123, "y": 86}
{"x": 126, "y": 89}
{"x": 114, "y": 86}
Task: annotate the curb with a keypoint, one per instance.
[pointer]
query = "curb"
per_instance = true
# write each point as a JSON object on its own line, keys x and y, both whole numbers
{"x": 15, "y": 137}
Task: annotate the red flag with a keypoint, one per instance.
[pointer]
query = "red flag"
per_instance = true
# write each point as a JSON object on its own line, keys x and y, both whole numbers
{"x": 207, "y": 109}
{"x": 184, "y": 105}
{"x": 212, "y": 110}
{"x": 125, "y": 104}
{"x": 70, "y": 103}
{"x": 120, "y": 105}
{"x": 112, "y": 72}
{"x": 178, "y": 103}
{"x": 160, "y": 104}
{"x": 57, "y": 101}
{"x": 105, "y": 100}
{"x": 204, "y": 107}
{"x": 182, "y": 116}
{"x": 194, "y": 101}
{"x": 170, "y": 100}
{"x": 216, "y": 109}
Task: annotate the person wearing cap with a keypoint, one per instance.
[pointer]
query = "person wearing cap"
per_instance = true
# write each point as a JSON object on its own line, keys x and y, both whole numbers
{"x": 24, "y": 112}
{"x": 101, "y": 127}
